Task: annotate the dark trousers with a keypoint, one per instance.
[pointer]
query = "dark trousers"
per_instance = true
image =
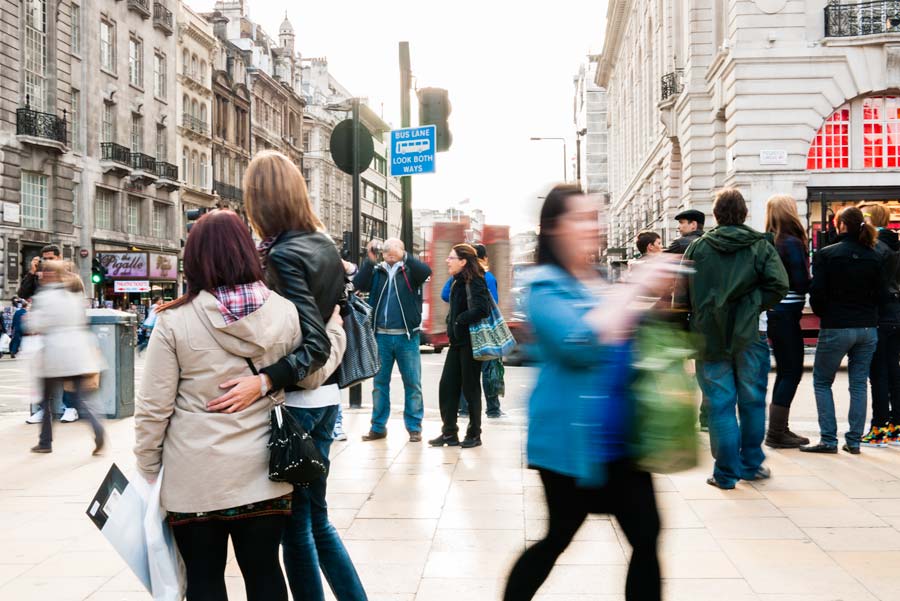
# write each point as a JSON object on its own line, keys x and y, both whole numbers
{"x": 885, "y": 377}
{"x": 786, "y": 337}
{"x": 461, "y": 373}
{"x": 204, "y": 548}
{"x": 491, "y": 403}
{"x": 51, "y": 385}
{"x": 15, "y": 342}
{"x": 627, "y": 495}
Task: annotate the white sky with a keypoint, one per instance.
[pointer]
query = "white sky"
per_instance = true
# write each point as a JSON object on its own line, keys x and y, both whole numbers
{"x": 509, "y": 68}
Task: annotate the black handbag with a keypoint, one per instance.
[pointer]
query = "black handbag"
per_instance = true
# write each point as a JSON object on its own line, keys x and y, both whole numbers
{"x": 361, "y": 360}
{"x": 293, "y": 456}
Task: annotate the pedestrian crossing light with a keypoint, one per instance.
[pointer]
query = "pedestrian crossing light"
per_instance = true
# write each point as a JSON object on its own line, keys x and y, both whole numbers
{"x": 434, "y": 109}
{"x": 98, "y": 272}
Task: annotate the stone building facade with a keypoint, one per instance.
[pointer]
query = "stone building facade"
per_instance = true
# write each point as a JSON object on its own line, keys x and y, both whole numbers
{"x": 197, "y": 51}
{"x": 42, "y": 131}
{"x": 770, "y": 96}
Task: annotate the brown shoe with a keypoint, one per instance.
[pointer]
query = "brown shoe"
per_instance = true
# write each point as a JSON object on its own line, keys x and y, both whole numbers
{"x": 99, "y": 443}
{"x": 373, "y": 435}
{"x": 40, "y": 449}
{"x": 415, "y": 437}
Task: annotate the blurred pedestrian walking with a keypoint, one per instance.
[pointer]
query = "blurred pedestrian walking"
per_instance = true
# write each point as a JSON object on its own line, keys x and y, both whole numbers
{"x": 648, "y": 245}
{"x": 784, "y": 331}
{"x": 847, "y": 287}
{"x": 18, "y": 326}
{"x": 583, "y": 335}
{"x": 884, "y": 373}
{"x": 216, "y": 484}
{"x": 470, "y": 302}
{"x": 68, "y": 350}
{"x": 737, "y": 276}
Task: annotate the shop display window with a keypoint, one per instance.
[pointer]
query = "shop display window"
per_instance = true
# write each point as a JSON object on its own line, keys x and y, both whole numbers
{"x": 880, "y": 125}
{"x": 831, "y": 147}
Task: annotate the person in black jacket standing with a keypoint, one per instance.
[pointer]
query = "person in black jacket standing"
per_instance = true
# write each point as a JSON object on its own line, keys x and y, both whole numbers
{"x": 784, "y": 331}
{"x": 395, "y": 293}
{"x": 470, "y": 302}
{"x": 690, "y": 226}
{"x": 847, "y": 287}
{"x": 885, "y": 371}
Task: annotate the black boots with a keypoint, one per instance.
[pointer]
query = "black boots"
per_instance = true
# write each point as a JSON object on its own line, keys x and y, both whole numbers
{"x": 779, "y": 436}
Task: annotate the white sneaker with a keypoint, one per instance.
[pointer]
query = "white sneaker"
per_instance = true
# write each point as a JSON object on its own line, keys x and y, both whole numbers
{"x": 340, "y": 436}
{"x": 69, "y": 415}
{"x": 36, "y": 417}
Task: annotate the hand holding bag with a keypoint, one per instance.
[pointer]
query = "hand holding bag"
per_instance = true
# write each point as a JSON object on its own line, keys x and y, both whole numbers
{"x": 491, "y": 338}
{"x": 293, "y": 456}
{"x": 361, "y": 360}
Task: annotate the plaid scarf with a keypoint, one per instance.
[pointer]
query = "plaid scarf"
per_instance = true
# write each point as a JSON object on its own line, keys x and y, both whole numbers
{"x": 263, "y": 249}
{"x": 237, "y": 302}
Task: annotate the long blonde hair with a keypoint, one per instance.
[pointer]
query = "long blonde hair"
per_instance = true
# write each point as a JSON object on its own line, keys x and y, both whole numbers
{"x": 276, "y": 197}
{"x": 782, "y": 218}
{"x": 877, "y": 213}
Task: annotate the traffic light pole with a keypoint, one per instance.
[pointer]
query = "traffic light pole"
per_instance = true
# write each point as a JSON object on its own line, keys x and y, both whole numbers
{"x": 356, "y": 390}
{"x": 406, "y": 223}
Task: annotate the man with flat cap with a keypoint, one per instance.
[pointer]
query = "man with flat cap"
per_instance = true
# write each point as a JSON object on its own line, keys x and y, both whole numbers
{"x": 690, "y": 226}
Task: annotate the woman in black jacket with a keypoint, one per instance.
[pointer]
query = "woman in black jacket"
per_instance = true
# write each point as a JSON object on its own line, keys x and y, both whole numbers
{"x": 470, "y": 302}
{"x": 785, "y": 333}
{"x": 846, "y": 290}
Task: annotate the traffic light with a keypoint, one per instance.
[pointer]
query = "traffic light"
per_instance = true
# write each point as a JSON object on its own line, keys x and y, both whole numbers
{"x": 434, "y": 109}
{"x": 190, "y": 217}
{"x": 98, "y": 272}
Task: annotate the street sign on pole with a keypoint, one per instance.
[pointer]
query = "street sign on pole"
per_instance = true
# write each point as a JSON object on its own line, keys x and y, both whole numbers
{"x": 413, "y": 150}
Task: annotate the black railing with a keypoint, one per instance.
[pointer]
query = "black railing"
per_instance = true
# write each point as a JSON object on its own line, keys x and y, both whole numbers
{"x": 862, "y": 18}
{"x": 227, "y": 191}
{"x": 110, "y": 151}
{"x": 194, "y": 124}
{"x": 162, "y": 16}
{"x": 166, "y": 171}
{"x": 672, "y": 83}
{"x": 41, "y": 125}
{"x": 143, "y": 162}
{"x": 141, "y": 6}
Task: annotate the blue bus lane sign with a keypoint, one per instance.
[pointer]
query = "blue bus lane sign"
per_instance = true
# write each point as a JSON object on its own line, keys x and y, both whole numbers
{"x": 413, "y": 150}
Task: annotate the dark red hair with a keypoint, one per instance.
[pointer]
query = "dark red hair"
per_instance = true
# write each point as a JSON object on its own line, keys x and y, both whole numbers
{"x": 219, "y": 252}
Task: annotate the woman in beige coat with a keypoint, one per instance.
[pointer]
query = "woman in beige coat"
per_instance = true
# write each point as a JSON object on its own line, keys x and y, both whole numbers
{"x": 216, "y": 481}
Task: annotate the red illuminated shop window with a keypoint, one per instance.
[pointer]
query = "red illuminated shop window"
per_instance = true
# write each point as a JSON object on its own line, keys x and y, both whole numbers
{"x": 881, "y": 132}
{"x": 831, "y": 147}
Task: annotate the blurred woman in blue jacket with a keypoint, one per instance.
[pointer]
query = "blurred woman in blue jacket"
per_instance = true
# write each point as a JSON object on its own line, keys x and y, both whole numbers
{"x": 579, "y": 421}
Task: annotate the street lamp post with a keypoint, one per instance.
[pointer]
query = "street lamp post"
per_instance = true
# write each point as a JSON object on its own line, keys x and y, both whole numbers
{"x": 565, "y": 154}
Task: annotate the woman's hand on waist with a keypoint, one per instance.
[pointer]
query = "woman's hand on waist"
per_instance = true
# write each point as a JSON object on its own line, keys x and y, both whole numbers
{"x": 244, "y": 392}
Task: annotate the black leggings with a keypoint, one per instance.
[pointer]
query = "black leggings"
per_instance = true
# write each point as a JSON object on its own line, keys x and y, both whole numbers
{"x": 786, "y": 334}
{"x": 462, "y": 373}
{"x": 204, "y": 548}
{"x": 627, "y": 495}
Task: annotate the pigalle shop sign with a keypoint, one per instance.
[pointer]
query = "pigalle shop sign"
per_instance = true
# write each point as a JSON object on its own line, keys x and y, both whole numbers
{"x": 128, "y": 266}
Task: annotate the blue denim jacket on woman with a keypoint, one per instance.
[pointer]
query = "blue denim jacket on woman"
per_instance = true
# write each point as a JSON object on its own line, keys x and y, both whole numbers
{"x": 579, "y": 417}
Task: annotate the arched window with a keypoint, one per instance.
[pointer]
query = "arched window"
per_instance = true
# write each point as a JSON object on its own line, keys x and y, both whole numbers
{"x": 831, "y": 147}
{"x": 186, "y": 62}
{"x": 185, "y": 174}
{"x": 194, "y": 66}
{"x": 185, "y": 104}
{"x": 194, "y": 161}
{"x": 862, "y": 134}
{"x": 202, "y": 170}
{"x": 226, "y": 173}
{"x": 203, "y": 112}
{"x": 195, "y": 109}
{"x": 203, "y": 72}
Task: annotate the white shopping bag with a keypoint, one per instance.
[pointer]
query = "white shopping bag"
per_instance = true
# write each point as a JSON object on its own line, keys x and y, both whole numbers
{"x": 129, "y": 516}
{"x": 4, "y": 342}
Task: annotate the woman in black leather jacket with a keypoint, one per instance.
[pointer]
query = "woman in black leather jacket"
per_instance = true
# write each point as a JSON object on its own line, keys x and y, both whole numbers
{"x": 301, "y": 264}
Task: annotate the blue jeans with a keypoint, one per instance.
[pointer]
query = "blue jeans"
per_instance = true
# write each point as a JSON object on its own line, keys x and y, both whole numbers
{"x": 310, "y": 541}
{"x": 834, "y": 344}
{"x": 739, "y": 382}
{"x": 491, "y": 403}
{"x": 405, "y": 351}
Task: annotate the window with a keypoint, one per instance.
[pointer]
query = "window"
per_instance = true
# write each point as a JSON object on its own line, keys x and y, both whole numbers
{"x": 831, "y": 147}
{"x": 134, "y": 216}
{"x": 203, "y": 113}
{"x": 162, "y": 146}
{"x": 160, "y": 220}
{"x": 194, "y": 66}
{"x": 103, "y": 209}
{"x": 194, "y": 161}
{"x": 185, "y": 63}
{"x": 35, "y": 202}
{"x": 226, "y": 171}
{"x": 380, "y": 165}
{"x": 36, "y": 53}
{"x": 203, "y": 72}
{"x": 195, "y": 109}
{"x": 76, "y": 29}
{"x": 184, "y": 163}
{"x": 109, "y": 122}
{"x": 137, "y": 133}
{"x": 136, "y": 62}
{"x": 76, "y": 203}
{"x": 881, "y": 132}
{"x": 108, "y": 45}
{"x": 75, "y": 120}
{"x": 159, "y": 75}
{"x": 202, "y": 170}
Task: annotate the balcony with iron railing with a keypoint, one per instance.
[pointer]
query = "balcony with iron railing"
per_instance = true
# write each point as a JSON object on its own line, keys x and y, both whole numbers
{"x": 227, "y": 191}
{"x": 194, "y": 124}
{"x": 115, "y": 158}
{"x": 143, "y": 162}
{"x": 141, "y": 7}
{"x": 162, "y": 18}
{"x": 672, "y": 84}
{"x": 862, "y": 18}
{"x": 41, "y": 129}
{"x": 168, "y": 176}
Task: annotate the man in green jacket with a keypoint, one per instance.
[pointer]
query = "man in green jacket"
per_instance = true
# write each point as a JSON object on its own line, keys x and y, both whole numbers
{"x": 737, "y": 275}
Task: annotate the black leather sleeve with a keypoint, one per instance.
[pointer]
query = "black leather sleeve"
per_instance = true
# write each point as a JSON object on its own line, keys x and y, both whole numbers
{"x": 481, "y": 303}
{"x": 314, "y": 347}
